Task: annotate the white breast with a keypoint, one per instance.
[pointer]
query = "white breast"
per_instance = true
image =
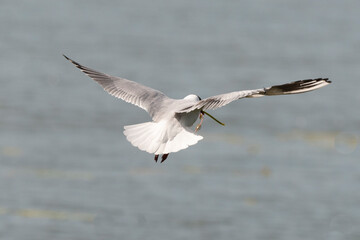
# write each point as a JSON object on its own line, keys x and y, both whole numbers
{"x": 188, "y": 119}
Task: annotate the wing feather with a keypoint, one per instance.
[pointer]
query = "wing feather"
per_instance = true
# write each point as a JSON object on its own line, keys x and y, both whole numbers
{"x": 221, "y": 100}
{"x": 129, "y": 91}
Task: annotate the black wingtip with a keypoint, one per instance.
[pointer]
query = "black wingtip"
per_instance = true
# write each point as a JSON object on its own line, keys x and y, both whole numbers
{"x": 66, "y": 57}
{"x": 296, "y": 87}
{"x": 323, "y": 79}
{"x": 318, "y": 79}
{"x": 78, "y": 65}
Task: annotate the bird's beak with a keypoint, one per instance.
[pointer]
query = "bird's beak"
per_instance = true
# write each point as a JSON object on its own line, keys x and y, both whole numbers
{"x": 213, "y": 118}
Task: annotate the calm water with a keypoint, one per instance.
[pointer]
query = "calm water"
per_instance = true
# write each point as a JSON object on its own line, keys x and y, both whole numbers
{"x": 282, "y": 168}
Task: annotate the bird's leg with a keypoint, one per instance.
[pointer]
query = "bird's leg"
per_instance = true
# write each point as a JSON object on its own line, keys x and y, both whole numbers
{"x": 164, "y": 157}
{"x": 156, "y": 157}
{"x": 201, "y": 117}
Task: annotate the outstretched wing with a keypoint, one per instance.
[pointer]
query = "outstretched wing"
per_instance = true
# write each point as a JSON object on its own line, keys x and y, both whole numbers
{"x": 124, "y": 89}
{"x": 289, "y": 88}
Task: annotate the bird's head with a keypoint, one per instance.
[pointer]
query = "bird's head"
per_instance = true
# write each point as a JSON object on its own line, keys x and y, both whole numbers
{"x": 192, "y": 97}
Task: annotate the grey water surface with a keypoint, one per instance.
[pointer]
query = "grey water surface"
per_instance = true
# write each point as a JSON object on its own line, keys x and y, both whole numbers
{"x": 284, "y": 168}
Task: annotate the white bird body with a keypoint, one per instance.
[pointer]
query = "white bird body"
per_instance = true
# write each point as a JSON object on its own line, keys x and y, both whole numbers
{"x": 169, "y": 132}
{"x": 172, "y": 118}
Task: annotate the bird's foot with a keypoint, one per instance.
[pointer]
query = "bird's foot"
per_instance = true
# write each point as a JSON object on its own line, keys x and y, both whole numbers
{"x": 164, "y": 157}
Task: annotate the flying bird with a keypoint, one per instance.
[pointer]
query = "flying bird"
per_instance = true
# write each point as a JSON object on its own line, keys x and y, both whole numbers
{"x": 170, "y": 129}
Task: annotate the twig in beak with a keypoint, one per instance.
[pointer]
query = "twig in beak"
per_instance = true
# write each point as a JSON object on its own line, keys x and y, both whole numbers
{"x": 213, "y": 118}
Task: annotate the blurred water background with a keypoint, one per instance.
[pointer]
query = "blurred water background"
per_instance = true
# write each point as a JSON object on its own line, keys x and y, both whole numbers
{"x": 282, "y": 167}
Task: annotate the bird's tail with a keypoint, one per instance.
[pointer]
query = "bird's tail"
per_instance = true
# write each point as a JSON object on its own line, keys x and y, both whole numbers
{"x": 160, "y": 137}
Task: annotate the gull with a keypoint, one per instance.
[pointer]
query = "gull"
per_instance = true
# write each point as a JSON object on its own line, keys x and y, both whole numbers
{"x": 170, "y": 129}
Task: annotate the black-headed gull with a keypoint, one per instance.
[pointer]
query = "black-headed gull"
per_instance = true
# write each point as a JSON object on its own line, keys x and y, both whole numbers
{"x": 172, "y": 118}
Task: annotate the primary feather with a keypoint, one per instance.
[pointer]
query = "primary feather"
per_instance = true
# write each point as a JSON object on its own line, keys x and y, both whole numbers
{"x": 129, "y": 91}
{"x": 296, "y": 87}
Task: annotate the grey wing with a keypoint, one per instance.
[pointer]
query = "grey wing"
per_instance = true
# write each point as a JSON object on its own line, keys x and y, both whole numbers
{"x": 284, "y": 89}
{"x": 129, "y": 91}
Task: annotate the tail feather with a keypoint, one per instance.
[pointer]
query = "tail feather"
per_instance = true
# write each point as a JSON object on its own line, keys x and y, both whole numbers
{"x": 160, "y": 137}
